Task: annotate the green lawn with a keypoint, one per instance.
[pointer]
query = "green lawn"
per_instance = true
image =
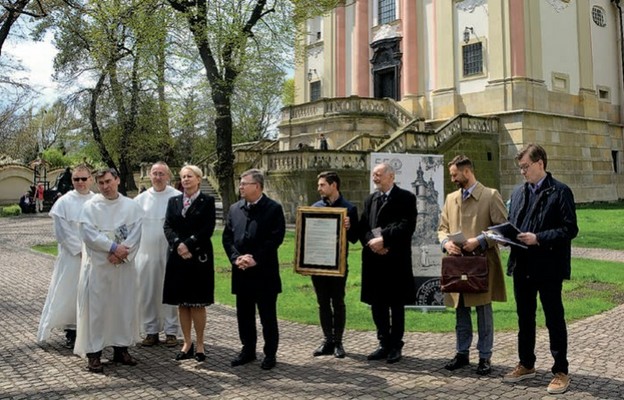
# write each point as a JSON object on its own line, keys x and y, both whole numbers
{"x": 599, "y": 226}
{"x": 596, "y": 286}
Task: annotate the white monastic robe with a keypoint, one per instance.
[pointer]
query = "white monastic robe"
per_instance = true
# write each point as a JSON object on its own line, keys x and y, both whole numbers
{"x": 151, "y": 261}
{"x": 107, "y": 293}
{"x": 59, "y": 310}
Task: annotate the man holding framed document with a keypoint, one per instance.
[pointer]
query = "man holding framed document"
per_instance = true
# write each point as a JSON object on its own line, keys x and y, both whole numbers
{"x": 330, "y": 290}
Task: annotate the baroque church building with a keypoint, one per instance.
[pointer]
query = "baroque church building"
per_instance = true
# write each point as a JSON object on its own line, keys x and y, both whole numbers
{"x": 478, "y": 77}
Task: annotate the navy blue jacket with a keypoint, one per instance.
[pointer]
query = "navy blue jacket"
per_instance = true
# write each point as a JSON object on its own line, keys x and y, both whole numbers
{"x": 258, "y": 231}
{"x": 552, "y": 217}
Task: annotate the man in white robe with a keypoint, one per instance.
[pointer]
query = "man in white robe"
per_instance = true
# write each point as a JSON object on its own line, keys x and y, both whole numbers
{"x": 59, "y": 310}
{"x": 110, "y": 226}
{"x": 152, "y": 259}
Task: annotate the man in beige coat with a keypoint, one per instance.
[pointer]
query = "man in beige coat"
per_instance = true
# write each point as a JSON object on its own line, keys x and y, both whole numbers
{"x": 471, "y": 210}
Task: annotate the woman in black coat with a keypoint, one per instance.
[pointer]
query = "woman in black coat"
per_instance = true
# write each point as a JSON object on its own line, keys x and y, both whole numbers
{"x": 189, "y": 276}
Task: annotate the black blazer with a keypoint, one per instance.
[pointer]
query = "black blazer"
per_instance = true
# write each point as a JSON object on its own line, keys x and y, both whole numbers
{"x": 258, "y": 231}
{"x": 389, "y": 279}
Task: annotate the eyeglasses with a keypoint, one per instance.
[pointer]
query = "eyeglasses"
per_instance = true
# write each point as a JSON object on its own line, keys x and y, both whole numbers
{"x": 80, "y": 178}
{"x": 246, "y": 183}
{"x": 525, "y": 167}
{"x": 158, "y": 174}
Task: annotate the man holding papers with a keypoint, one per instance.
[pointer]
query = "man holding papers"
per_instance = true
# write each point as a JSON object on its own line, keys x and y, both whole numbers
{"x": 544, "y": 211}
{"x": 470, "y": 210}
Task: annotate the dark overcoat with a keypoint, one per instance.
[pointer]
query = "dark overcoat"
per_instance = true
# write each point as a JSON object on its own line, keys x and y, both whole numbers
{"x": 190, "y": 281}
{"x": 388, "y": 279}
{"x": 257, "y": 230}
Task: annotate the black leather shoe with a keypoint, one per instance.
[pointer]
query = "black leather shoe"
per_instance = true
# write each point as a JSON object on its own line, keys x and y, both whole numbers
{"x": 70, "y": 338}
{"x": 339, "y": 351}
{"x": 460, "y": 360}
{"x": 379, "y": 354}
{"x": 186, "y": 355}
{"x": 485, "y": 366}
{"x": 394, "y": 356}
{"x": 243, "y": 358}
{"x": 200, "y": 357}
{"x": 325, "y": 349}
{"x": 268, "y": 363}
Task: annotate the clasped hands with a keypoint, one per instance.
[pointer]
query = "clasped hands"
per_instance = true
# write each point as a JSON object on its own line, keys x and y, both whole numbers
{"x": 120, "y": 255}
{"x": 245, "y": 261}
{"x": 184, "y": 252}
{"x": 377, "y": 246}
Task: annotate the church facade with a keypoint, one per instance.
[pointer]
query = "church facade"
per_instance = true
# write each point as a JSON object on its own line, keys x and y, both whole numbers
{"x": 480, "y": 77}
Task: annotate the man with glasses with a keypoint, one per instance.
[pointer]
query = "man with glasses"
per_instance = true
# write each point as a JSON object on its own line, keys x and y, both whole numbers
{"x": 110, "y": 226}
{"x": 151, "y": 260}
{"x": 59, "y": 310}
{"x": 544, "y": 211}
{"x": 386, "y": 228}
{"x": 254, "y": 230}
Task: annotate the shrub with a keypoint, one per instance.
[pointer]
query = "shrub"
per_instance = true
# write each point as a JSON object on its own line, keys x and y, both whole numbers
{"x": 10, "y": 211}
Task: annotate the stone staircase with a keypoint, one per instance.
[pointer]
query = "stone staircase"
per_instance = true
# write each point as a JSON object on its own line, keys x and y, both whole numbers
{"x": 207, "y": 188}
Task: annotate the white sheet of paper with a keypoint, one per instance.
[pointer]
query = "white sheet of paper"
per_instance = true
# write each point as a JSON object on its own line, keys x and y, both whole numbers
{"x": 320, "y": 241}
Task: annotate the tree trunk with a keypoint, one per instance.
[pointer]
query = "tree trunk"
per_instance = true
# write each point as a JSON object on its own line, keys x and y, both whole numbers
{"x": 8, "y": 19}
{"x": 97, "y": 136}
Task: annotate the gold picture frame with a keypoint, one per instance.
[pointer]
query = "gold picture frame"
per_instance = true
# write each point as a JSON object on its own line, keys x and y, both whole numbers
{"x": 321, "y": 241}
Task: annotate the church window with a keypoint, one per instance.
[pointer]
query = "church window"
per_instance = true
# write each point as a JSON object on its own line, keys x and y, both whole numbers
{"x": 472, "y": 59}
{"x": 386, "y": 11}
{"x": 598, "y": 15}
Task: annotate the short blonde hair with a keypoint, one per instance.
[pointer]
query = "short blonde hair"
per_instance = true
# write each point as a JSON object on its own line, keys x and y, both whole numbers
{"x": 195, "y": 169}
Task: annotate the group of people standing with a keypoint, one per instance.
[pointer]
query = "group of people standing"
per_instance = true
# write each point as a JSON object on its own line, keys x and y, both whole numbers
{"x": 543, "y": 209}
{"x": 159, "y": 246}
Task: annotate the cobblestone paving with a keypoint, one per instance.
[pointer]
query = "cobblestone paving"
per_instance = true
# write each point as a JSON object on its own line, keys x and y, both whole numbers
{"x": 49, "y": 371}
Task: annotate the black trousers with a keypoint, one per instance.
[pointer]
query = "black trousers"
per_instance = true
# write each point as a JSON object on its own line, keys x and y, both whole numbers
{"x": 330, "y": 294}
{"x": 246, "y": 317}
{"x": 526, "y": 290}
{"x": 390, "y": 323}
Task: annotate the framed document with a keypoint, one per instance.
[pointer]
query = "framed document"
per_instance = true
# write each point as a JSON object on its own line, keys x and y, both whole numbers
{"x": 321, "y": 247}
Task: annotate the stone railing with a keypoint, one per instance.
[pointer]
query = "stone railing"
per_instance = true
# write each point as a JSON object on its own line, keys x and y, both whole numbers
{"x": 310, "y": 160}
{"x": 345, "y": 106}
{"x": 363, "y": 141}
{"x": 411, "y": 138}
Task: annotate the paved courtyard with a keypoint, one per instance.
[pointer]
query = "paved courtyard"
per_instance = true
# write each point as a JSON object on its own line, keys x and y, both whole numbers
{"x": 49, "y": 371}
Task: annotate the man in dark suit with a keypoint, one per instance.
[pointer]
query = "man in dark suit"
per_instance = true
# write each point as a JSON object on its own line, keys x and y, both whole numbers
{"x": 386, "y": 228}
{"x": 254, "y": 231}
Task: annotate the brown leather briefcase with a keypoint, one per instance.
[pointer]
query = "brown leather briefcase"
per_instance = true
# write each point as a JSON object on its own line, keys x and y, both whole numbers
{"x": 464, "y": 274}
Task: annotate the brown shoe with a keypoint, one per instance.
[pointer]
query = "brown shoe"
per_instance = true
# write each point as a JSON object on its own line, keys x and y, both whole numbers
{"x": 559, "y": 383}
{"x": 150, "y": 340}
{"x": 519, "y": 373}
{"x": 122, "y": 356}
{"x": 171, "y": 341}
{"x": 95, "y": 365}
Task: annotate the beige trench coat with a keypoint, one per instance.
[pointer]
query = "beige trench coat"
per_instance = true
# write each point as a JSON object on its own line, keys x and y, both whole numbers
{"x": 483, "y": 208}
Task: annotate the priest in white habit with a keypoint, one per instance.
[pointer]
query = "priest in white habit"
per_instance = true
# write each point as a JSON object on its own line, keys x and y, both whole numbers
{"x": 59, "y": 310}
{"x": 110, "y": 226}
{"x": 151, "y": 260}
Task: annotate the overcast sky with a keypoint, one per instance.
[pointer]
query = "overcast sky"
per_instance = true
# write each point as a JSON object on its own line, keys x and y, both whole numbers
{"x": 37, "y": 59}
